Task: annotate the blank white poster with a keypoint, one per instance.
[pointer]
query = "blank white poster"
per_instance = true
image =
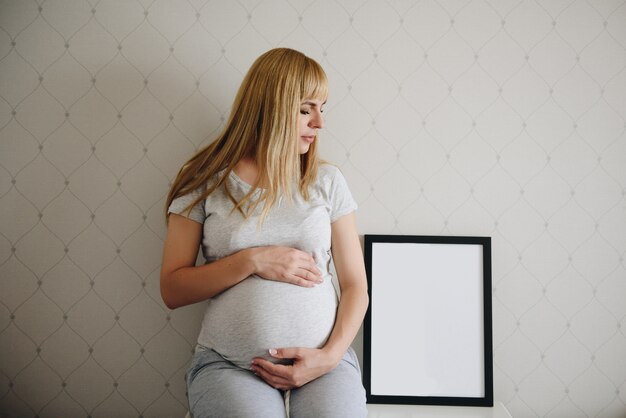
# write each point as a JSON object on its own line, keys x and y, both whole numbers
{"x": 427, "y": 320}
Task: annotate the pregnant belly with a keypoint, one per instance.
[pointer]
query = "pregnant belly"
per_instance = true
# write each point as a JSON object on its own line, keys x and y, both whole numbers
{"x": 250, "y": 318}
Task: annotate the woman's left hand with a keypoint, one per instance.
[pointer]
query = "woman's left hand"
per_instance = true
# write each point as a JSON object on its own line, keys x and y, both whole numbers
{"x": 308, "y": 364}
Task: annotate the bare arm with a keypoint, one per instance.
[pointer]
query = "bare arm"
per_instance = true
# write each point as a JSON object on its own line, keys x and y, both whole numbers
{"x": 182, "y": 283}
{"x": 350, "y": 267}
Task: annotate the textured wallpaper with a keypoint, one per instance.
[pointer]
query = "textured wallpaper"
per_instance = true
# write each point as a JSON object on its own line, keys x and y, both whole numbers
{"x": 498, "y": 118}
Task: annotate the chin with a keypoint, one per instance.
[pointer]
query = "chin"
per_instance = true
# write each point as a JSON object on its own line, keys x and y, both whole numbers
{"x": 304, "y": 148}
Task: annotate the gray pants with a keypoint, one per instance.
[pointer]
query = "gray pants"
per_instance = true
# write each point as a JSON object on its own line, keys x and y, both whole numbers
{"x": 218, "y": 388}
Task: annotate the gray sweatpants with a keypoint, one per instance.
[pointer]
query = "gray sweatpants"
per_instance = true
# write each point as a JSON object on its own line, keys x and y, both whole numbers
{"x": 217, "y": 388}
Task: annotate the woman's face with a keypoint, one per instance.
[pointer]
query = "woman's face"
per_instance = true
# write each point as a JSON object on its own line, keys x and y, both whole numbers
{"x": 310, "y": 120}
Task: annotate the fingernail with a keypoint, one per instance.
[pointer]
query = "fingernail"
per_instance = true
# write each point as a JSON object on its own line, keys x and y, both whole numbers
{"x": 273, "y": 351}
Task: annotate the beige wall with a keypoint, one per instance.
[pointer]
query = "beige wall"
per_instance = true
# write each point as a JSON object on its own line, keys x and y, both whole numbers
{"x": 498, "y": 118}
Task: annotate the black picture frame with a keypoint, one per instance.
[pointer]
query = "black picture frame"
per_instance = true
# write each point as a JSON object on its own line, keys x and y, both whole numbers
{"x": 450, "y": 362}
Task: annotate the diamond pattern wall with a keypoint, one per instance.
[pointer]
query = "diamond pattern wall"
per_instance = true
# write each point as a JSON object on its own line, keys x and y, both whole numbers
{"x": 477, "y": 117}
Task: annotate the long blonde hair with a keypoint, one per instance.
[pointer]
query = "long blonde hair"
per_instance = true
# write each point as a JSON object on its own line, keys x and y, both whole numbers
{"x": 263, "y": 125}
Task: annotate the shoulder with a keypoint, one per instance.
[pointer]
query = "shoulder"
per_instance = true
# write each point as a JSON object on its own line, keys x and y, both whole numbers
{"x": 335, "y": 190}
{"x": 331, "y": 181}
{"x": 195, "y": 193}
{"x": 328, "y": 173}
{"x": 201, "y": 188}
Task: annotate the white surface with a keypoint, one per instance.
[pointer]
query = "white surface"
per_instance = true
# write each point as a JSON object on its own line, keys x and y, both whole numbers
{"x": 427, "y": 320}
{"x": 430, "y": 411}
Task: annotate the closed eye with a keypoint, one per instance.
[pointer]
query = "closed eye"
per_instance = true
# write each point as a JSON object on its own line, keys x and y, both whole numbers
{"x": 311, "y": 104}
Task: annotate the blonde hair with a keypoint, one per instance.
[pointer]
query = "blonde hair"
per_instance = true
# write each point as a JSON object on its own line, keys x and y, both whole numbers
{"x": 263, "y": 125}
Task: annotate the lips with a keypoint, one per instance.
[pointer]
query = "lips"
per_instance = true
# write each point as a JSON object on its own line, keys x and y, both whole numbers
{"x": 308, "y": 138}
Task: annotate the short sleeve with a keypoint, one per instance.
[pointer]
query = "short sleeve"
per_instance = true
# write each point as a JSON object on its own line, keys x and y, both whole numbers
{"x": 180, "y": 206}
{"x": 341, "y": 200}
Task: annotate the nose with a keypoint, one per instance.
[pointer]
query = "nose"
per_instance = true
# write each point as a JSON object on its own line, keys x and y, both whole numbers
{"x": 317, "y": 121}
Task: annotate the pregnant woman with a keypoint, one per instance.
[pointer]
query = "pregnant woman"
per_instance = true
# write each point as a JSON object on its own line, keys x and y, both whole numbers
{"x": 268, "y": 215}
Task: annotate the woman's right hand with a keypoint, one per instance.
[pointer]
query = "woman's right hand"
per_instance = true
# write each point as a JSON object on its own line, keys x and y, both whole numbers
{"x": 285, "y": 264}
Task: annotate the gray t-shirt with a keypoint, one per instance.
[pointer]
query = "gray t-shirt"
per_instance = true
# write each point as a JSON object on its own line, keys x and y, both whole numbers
{"x": 255, "y": 315}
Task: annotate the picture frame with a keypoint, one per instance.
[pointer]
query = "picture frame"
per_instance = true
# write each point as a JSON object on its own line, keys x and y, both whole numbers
{"x": 428, "y": 328}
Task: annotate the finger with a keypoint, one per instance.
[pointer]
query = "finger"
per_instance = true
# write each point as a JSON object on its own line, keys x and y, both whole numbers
{"x": 279, "y": 377}
{"x": 277, "y": 370}
{"x": 285, "y": 353}
{"x": 311, "y": 265}
{"x": 310, "y": 262}
{"x": 313, "y": 269}
{"x": 304, "y": 260}
{"x": 277, "y": 382}
{"x": 309, "y": 275}
{"x": 297, "y": 280}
